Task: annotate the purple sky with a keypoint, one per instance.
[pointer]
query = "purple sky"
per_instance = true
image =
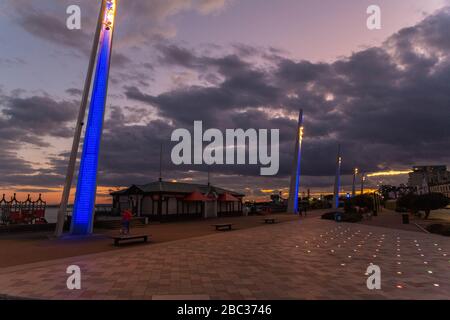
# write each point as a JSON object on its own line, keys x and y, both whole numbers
{"x": 175, "y": 59}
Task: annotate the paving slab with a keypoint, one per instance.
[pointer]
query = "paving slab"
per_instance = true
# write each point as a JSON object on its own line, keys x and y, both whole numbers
{"x": 302, "y": 259}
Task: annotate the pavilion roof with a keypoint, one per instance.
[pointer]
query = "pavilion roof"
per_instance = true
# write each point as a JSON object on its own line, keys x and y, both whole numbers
{"x": 196, "y": 196}
{"x": 175, "y": 187}
{"x": 226, "y": 197}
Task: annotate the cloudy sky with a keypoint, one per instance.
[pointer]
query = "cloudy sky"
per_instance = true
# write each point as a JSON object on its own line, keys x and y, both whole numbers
{"x": 384, "y": 94}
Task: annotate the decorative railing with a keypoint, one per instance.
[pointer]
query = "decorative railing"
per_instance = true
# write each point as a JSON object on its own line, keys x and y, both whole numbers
{"x": 22, "y": 212}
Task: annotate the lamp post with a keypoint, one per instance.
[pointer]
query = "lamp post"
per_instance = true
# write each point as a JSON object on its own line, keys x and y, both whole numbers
{"x": 79, "y": 126}
{"x": 337, "y": 179}
{"x": 355, "y": 173}
{"x": 84, "y": 205}
{"x": 375, "y": 204}
{"x": 363, "y": 179}
{"x": 296, "y": 168}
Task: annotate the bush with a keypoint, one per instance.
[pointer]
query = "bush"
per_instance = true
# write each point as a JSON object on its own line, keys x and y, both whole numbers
{"x": 407, "y": 203}
{"x": 328, "y": 216}
{"x": 431, "y": 201}
{"x": 319, "y": 204}
{"x": 442, "y": 229}
{"x": 424, "y": 202}
{"x": 346, "y": 216}
{"x": 352, "y": 217}
{"x": 361, "y": 201}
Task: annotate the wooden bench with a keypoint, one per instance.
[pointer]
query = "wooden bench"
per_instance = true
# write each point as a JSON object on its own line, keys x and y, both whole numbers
{"x": 121, "y": 238}
{"x": 270, "y": 220}
{"x": 223, "y": 226}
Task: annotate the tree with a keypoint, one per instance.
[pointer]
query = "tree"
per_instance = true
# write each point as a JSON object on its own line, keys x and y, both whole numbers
{"x": 425, "y": 202}
{"x": 403, "y": 189}
{"x": 407, "y": 202}
{"x": 385, "y": 191}
{"x": 362, "y": 201}
{"x": 431, "y": 201}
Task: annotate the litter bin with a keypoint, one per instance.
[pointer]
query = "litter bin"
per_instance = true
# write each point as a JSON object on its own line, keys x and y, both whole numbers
{"x": 405, "y": 218}
{"x": 338, "y": 217}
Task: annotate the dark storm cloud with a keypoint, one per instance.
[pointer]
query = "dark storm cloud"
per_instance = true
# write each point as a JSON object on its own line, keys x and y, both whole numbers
{"x": 388, "y": 106}
{"x": 74, "y": 92}
{"x": 227, "y": 66}
{"x": 28, "y": 123}
{"x": 15, "y": 170}
{"x": 7, "y": 63}
{"x": 120, "y": 60}
{"x": 175, "y": 55}
{"x": 300, "y": 72}
{"x": 242, "y": 87}
{"x": 50, "y": 28}
{"x": 38, "y": 116}
{"x": 9, "y": 162}
{"x": 139, "y": 20}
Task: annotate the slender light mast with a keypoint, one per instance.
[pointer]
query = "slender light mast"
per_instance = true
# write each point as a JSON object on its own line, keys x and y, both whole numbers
{"x": 84, "y": 206}
{"x": 363, "y": 179}
{"x": 337, "y": 180}
{"x": 355, "y": 173}
{"x": 296, "y": 166}
{"x": 79, "y": 127}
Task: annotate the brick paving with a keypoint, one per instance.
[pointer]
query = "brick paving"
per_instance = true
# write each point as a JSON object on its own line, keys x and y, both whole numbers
{"x": 304, "y": 259}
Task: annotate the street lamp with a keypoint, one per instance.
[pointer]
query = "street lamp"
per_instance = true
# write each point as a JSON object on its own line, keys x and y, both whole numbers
{"x": 337, "y": 181}
{"x": 85, "y": 196}
{"x": 363, "y": 179}
{"x": 355, "y": 173}
{"x": 295, "y": 175}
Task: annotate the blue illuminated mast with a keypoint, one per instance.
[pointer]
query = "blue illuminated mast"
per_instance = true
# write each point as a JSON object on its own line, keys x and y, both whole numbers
{"x": 84, "y": 206}
{"x": 337, "y": 179}
{"x": 295, "y": 176}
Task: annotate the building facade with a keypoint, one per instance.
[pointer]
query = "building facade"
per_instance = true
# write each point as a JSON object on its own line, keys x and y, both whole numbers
{"x": 165, "y": 201}
{"x": 443, "y": 188}
{"x": 423, "y": 177}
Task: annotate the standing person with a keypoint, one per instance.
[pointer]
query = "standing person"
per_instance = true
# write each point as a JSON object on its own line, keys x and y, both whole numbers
{"x": 126, "y": 218}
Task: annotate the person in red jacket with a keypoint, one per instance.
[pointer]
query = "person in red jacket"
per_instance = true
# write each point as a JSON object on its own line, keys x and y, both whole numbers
{"x": 126, "y": 218}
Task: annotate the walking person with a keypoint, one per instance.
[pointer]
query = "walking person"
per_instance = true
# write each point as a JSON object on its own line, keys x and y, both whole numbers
{"x": 126, "y": 219}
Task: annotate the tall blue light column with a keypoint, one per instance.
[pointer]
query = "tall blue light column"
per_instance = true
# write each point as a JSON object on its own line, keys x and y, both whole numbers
{"x": 296, "y": 168}
{"x": 337, "y": 179}
{"x": 83, "y": 213}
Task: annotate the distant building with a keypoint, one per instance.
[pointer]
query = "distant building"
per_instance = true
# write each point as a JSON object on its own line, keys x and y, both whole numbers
{"x": 423, "y": 188}
{"x": 162, "y": 201}
{"x": 443, "y": 188}
{"x": 423, "y": 177}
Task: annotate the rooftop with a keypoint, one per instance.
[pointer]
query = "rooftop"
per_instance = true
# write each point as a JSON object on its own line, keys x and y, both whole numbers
{"x": 176, "y": 187}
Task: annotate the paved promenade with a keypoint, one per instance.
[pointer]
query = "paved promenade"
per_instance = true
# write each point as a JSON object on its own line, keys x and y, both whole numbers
{"x": 305, "y": 259}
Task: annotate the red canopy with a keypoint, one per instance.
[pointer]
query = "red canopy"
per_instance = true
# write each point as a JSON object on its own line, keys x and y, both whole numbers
{"x": 196, "y": 196}
{"x": 226, "y": 197}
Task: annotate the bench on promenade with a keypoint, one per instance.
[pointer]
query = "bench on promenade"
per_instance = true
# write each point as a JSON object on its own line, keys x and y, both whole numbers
{"x": 270, "y": 220}
{"x": 223, "y": 226}
{"x": 128, "y": 238}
